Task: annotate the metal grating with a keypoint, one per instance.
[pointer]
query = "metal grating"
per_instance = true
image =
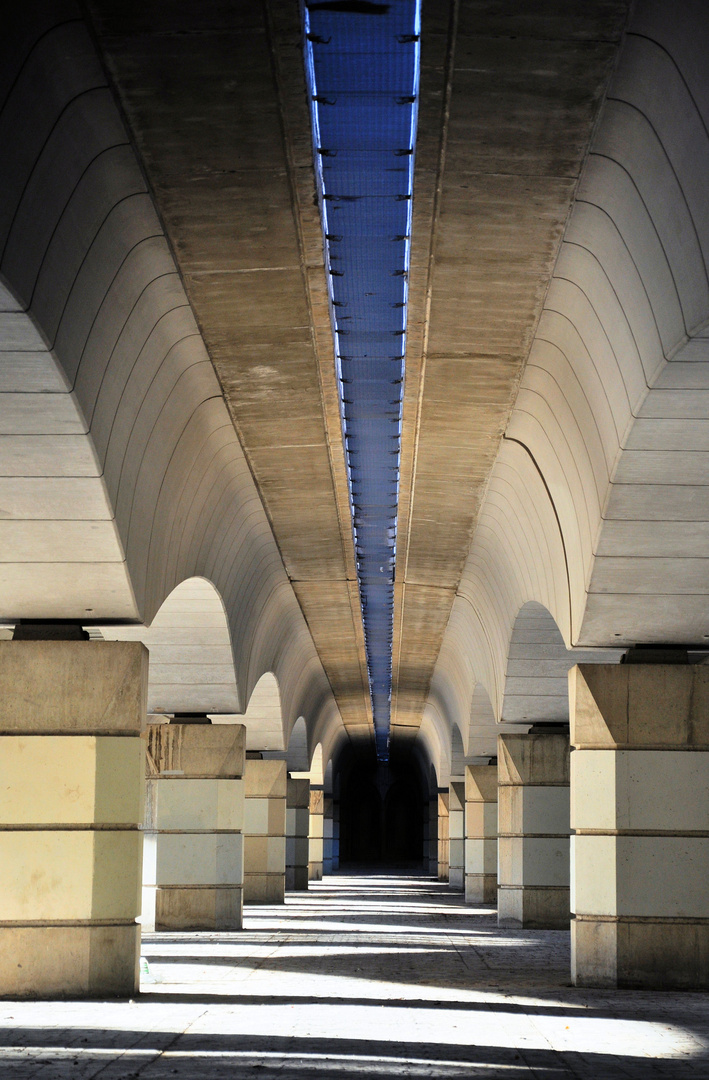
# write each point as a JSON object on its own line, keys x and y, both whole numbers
{"x": 362, "y": 62}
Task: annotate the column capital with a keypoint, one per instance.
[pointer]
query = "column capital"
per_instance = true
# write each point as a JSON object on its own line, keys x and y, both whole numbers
{"x": 197, "y": 750}
{"x": 656, "y": 706}
{"x": 481, "y": 783}
{"x": 73, "y": 687}
{"x": 537, "y": 758}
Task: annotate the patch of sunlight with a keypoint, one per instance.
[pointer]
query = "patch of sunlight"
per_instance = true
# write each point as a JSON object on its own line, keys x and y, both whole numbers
{"x": 354, "y": 1061}
{"x": 38, "y": 1053}
{"x": 323, "y": 950}
{"x": 453, "y": 1027}
{"x": 476, "y": 937}
{"x": 365, "y": 906}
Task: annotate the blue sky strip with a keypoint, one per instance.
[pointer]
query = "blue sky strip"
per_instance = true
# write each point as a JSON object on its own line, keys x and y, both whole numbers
{"x": 362, "y": 61}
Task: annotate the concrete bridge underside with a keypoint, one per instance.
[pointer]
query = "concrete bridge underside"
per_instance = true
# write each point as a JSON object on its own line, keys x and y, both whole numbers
{"x": 217, "y": 110}
{"x": 172, "y": 479}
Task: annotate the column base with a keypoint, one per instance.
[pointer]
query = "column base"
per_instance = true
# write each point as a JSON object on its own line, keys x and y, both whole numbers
{"x": 533, "y": 907}
{"x": 315, "y": 871}
{"x": 456, "y": 878}
{"x": 296, "y": 879}
{"x": 52, "y": 962}
{"x": 264, "y": 889}
{"x": 644, "y": 954}
{"x": 193, "y": 908}
{"x": 480, "y": 888}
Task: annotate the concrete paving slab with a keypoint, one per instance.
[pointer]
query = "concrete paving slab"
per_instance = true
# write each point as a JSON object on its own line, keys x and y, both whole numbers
{"x": 379, "y": 976}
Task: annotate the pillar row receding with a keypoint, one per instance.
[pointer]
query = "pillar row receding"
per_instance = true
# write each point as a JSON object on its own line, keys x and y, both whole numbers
{"x": 71, "y": 804}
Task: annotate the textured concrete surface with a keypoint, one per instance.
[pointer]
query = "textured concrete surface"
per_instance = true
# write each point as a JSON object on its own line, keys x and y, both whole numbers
{"x": 508, "y": 101}
{"x": 215, "y": 98}
{"x": 71, "y": 767}
{"x": 216, "y": 104}
{"x": 640, "y": 820}
{"x": 612, "y": 403}
{"x": 381, "y": 977}
{"x": 111, "y": 500}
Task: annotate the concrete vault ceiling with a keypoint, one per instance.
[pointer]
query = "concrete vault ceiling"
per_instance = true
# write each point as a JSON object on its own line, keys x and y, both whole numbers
{"x": 214, "y": 97}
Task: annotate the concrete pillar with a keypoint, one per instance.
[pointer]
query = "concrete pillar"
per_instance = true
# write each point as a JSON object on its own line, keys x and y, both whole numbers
{"x": 640, "y": 814}
{"x": 335, "y": 834}
{"x": 533, "y": 823}
{"x": 456, "y": 835}
{"x": 443, "y": 834}
{"x": 425, "y": 817}
{"x": 481, "y": 834}
{"x": 316, "y": 833}
{"x": 327, "y": 834}
{"x": 193, "y": 876}
{"x": 265, "y": 790}
{"x": 297, "y": 826}
{"x": 433, "y": 834}
{"x": 71, "y": 804}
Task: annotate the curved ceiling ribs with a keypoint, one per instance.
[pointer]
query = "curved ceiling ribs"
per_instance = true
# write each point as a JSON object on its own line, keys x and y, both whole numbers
{"x": 578, "y": 482}
{"x": 215, "y": 100}
{"x": 517, "y": 95}
{"x": 612, "y": 408}
{"x": 121, "y": 474}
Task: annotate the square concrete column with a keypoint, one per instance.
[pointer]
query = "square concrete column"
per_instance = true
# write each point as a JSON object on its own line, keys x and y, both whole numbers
{"x": 327, "y": 835}
{"x": 71, "y": 805}
{"x": 443, "y": 834}
{"x": 316, "y": 833}
{"x": 533, "y": 837}
{"x": 297, "y": 826}
{"x": 265, "y": 790}
{"x": 335, "y": 834}
{"x": 456, "y": 835}
{"x": 480, "y": 834}
{"x": 432, "y": 846}
{"x": 640, "y": 814}
{"x": 193, "y": 876}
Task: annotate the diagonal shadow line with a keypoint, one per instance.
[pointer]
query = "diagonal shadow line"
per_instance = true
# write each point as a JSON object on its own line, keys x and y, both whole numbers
{"x": 545, "y": 1063}
{"x": 662, "y": 1013}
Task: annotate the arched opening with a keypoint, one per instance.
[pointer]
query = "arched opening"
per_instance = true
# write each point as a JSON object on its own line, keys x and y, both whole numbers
{"x": 62, "y": 555}
{"x": 317, "y": 775}
{"x": 482, "y": 735}
{"x": 191, "y": 662}
{"x": 297, "y": 756}
{"x": 536, "y": 685}
{"x": 263, "y": 718}
{"x": 457, "y": 758}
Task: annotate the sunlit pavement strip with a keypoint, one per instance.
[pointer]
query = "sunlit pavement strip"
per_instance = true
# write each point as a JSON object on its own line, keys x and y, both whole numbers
{"x": 362, "y": 976}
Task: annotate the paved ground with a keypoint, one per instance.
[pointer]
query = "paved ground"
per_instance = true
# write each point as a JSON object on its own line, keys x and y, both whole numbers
{"x": 362, "y": 976}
